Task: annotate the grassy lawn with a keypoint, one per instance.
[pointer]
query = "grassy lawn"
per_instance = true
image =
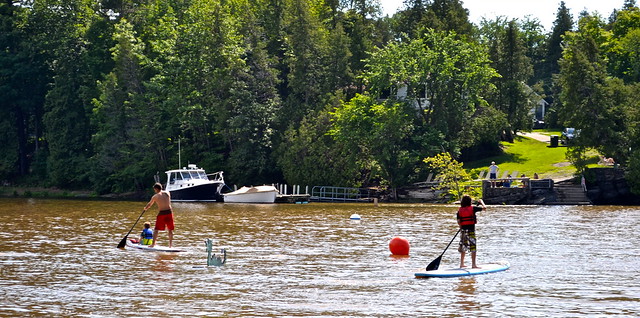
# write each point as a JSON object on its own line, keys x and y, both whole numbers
{"x": 528, "y": 156}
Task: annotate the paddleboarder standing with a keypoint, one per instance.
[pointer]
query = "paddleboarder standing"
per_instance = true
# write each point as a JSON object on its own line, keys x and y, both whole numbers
{"x": 165, "y": 215}
{"x": 467, "y": 221}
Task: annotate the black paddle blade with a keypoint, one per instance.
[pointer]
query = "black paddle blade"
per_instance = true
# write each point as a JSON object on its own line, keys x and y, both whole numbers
{"x": 435, "y": 264}
{"x": 123, "y": 242}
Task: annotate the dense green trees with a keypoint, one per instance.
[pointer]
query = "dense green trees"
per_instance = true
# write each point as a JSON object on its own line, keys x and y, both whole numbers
{"x": 603, "y": 105}
{"x": 98, "y": 94}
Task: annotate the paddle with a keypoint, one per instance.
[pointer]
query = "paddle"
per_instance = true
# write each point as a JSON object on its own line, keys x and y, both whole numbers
{"x": 436, "y": 262}
{"x": 124, "y": 239}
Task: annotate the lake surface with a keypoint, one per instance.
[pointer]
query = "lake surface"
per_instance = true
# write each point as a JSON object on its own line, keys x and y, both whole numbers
{"x": 58, "y": 258}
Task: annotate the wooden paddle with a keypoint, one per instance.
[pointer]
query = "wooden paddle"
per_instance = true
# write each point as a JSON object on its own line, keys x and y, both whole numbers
{"x": 436, "y": 262}
{"x": 124, "y": 239}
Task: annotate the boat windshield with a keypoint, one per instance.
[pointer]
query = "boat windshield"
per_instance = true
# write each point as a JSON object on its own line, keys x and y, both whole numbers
{"x": 186, "y": 176}
{"x": 202, "y": 175}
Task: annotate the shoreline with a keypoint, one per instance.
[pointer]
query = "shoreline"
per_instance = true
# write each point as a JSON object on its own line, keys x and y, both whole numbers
{"x": 55, "y": 193}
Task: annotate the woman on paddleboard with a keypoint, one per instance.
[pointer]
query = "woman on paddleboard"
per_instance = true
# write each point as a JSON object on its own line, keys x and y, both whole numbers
{"x": 467, "y": 221}
{"x": 165, "y": 214}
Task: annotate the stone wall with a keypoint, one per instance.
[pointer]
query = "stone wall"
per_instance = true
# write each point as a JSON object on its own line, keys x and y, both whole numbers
{"x": 608, "y": 186}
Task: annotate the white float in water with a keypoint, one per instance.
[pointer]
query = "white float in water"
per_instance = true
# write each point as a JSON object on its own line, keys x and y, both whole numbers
{"x": 355, "y": 216}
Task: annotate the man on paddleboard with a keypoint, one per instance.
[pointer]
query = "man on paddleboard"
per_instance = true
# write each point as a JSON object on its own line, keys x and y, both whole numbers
{"x": 165, "y": 215}
{"x": 467, "y": 221}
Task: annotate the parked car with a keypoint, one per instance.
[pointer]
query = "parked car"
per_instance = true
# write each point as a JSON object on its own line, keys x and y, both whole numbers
{"x": 569, "y": 134}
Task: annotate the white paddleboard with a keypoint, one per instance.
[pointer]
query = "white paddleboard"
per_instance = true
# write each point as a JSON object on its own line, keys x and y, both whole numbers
{"x": 153, "y": 249}
{"x": 467, "y": 271}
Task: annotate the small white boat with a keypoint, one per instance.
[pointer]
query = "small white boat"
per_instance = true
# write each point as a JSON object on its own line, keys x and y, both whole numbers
{"x": 259, "y": 194}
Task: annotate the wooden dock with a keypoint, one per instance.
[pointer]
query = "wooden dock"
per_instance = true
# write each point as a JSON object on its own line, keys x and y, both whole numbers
{"x": 292, "y": 198}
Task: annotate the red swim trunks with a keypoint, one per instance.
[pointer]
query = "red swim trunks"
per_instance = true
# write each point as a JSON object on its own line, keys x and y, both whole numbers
{"x": 164, "y": 220}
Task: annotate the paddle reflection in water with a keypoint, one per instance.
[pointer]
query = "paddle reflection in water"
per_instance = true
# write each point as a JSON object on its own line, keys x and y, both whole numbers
{"x": 58, "y": 258}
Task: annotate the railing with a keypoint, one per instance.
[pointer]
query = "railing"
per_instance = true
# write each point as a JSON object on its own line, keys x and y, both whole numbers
{"x": 340, "y": 194}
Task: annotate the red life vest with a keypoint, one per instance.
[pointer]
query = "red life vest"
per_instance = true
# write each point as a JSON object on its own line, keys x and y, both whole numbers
{"x": 467, "y": 216}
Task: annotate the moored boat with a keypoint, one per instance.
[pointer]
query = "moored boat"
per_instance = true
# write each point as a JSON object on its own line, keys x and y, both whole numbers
{"x": 194, "y": 184}
{"x": 258, "y": 194}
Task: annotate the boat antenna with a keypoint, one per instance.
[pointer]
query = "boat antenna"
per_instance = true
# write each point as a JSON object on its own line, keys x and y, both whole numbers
{"x": 179, "y": 158}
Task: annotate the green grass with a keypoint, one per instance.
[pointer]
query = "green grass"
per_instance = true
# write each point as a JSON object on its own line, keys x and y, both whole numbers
{"x": 527, "y": 156}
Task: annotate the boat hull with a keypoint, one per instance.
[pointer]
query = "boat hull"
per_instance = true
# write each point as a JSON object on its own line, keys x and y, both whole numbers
{"x": 202, "y": 192}
{"x": 252, "y": 195}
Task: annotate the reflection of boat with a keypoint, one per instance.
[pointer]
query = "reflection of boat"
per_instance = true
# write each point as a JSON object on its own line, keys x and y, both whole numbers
{"x": 259, "y": 194}
{"x": 193, "y": 184}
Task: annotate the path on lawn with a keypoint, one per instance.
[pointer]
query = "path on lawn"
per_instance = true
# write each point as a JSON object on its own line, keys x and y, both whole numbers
{"x": 536, "y": 136}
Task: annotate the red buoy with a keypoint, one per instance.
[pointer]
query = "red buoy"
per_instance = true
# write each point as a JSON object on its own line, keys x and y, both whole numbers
{"x": 399, "y": 246}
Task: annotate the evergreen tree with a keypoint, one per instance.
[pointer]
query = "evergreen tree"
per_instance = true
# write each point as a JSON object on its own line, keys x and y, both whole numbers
{"x": 511, "y": 94}
{"x": 449, "y": 15}
{"x": 411, "y": 18}
{"x": 561, "y": 25}
{"x": 19, "y": 71}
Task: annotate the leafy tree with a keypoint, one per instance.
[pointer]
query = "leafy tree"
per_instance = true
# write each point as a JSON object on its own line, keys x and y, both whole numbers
{"x": 452, "y": 176}
{"x": 589, "y": 96}
{"x": 379, "y": 135}
{"x": 453, "y": 75}
{"x": 624, "y": 53}
{"x": 309, "y": 151}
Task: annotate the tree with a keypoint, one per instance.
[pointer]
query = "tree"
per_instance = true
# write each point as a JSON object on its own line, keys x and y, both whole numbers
{"x": 444, "y": 78}
{"x": 117, "y": 114}
{"x": 24, "y": 76}
{"x": 449, "y": 15}
{"x": 591, "y": 101}
{"x": 378, "y": 135}
{"x": 562, "y": 24}
{"x": 411, "y": 19}
{"x": 624, "y": 52}
{"x": 508, "y": 54}
{"x": 452, "y": 176}
{"x": 309, "y": 151}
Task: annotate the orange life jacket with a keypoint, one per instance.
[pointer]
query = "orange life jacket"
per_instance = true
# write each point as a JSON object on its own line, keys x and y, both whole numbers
{"x": 467, "y": 216}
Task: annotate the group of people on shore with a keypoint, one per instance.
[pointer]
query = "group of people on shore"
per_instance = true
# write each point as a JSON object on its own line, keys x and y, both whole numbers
{"x": 505, "y": 183}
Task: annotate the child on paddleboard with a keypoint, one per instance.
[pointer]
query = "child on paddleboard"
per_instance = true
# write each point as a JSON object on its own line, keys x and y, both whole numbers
{"x": 467, "y": 221}
{"x": 146, "y": 237}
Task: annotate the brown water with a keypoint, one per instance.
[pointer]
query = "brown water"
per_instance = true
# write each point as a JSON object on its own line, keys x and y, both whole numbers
{"x": 59, "y": 259}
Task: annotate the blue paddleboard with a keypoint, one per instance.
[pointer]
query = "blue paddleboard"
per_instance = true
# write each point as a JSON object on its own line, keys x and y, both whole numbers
{"x": 467, "y": 271}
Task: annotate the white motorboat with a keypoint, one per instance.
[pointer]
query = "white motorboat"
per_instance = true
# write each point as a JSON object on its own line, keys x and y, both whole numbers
{"x": 259, "y": 194}
{"x": 194, "y": 184}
